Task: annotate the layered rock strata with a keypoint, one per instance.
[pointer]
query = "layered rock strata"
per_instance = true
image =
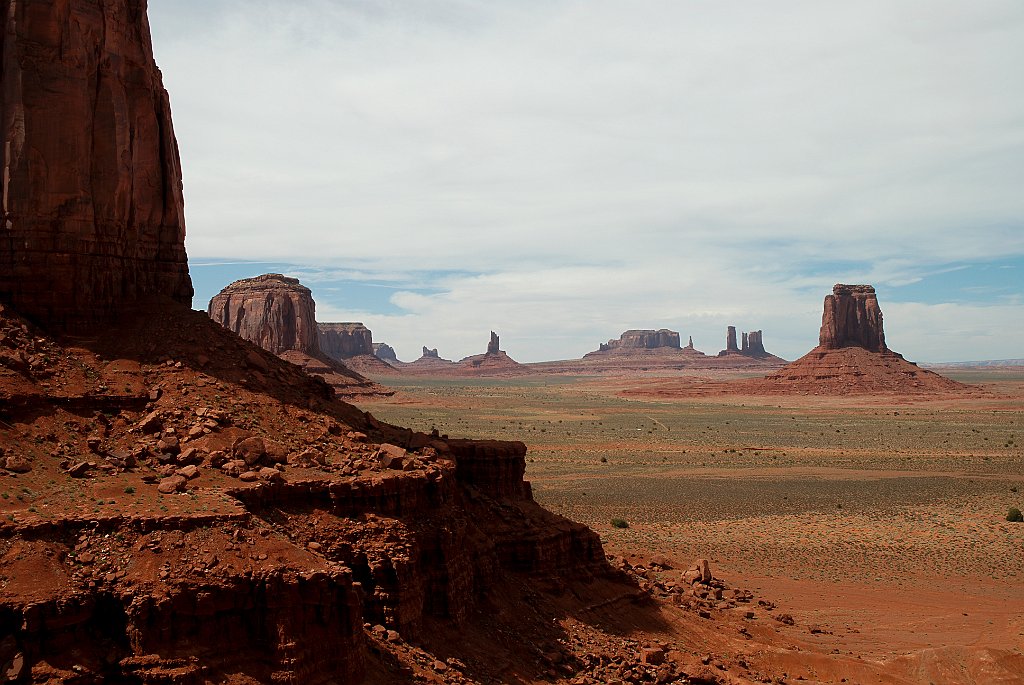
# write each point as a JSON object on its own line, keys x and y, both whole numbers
{"x": 293, "y": 520}
{"x": 93, "y": 214}
{"x": 852, "y": 318}
{"x": 273, "y": 311}
{"x": 344, "y": 340}
{"x": 644, "y": 340}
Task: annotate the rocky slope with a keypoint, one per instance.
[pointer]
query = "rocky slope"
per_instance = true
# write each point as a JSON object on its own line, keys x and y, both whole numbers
{"x": 92, "y": 193}
{"x": 194, "y": 509}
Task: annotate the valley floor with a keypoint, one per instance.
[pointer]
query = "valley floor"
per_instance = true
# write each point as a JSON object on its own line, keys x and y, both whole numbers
{"x": 878, "y": 523}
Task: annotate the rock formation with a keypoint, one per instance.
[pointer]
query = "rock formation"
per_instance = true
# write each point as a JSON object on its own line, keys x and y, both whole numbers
{"x": 852, "y": 317}
{"x": 730, "y": 341}
{"x": 644, "y": 340}
{"x": 92, "y": 194}
{"x": 752, "y": 346}
{"x": 273, "y": 311}
{"x": 278, "y": 314}
{"x": 689, "y": 345}
{"x": 852, "y": 357}
{"x": 271, "y": 521}
{"x": 492, "y": 346}
{"x": 344, "y": 340}
{"x": 753, "y": 343}
{"x": 428, "y": 353}
{"x": 385, "y": 352}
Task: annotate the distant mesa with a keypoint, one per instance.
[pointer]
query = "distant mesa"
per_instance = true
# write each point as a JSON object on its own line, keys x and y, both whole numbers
{"x": 345, "y": 340}
{"x": 385, "y": 352}
{"x": 852, "y": 357}
{"x": 752, "y": 345}
{"x": 430, "y": 354}
{"x": 351, "y": 343}
{"x": 644, "y": 340}
{"x": 278, "y": 314}
{"x": 640, "y": 350}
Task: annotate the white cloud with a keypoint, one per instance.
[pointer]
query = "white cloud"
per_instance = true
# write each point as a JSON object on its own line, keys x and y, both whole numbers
{"x": 602, "y": 164}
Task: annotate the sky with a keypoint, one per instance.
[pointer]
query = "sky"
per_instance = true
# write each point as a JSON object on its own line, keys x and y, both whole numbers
{"x": 565, "y": 170}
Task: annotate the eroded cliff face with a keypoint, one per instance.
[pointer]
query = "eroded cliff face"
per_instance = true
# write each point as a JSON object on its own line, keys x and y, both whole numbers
{"x": 345, "y": 340}
{"x": 643, "y": 340}
{"x": 273, "y": 311}
{"x": 93, "y": 214}
{"x": 851, "y": 317}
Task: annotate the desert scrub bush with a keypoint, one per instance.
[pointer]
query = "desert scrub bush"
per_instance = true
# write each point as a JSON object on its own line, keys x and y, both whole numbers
{"x": 1014, "y": 515}
{"x": 621, "y": 523}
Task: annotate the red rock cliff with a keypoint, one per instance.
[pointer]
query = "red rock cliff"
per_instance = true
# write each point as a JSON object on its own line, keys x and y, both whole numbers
{"x": 92, "y": 195}
{"x": 273, "y": 311}
{"x": 851, "y": 317}
{"x": 643, "y": 340}
{"x": 344, "y": 340}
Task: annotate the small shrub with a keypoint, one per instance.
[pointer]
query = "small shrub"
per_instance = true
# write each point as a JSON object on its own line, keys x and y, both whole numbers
{"x": 130, "y": 490}
{"x": 604, "y": 460}
{"x": 621, "y": 523}
{"x": 1014, "y": 515}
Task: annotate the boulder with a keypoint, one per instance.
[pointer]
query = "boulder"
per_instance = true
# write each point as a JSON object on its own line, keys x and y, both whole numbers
{"x": 171, "y": 484}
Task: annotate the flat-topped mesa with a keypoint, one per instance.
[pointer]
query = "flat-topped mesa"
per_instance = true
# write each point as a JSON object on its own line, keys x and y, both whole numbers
{"x": 93, "y": 215}
{"x": 385, "y": 352}
{"x": 643, "y": 339}
{"x": 852, "y": 318}
{"x": 345, "y": 340}
{"x": 492, "y": 346}
{"x": 274, "y": 311}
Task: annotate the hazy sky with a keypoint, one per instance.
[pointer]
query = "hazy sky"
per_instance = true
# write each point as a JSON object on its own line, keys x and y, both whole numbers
{"x": 560, "y": 171}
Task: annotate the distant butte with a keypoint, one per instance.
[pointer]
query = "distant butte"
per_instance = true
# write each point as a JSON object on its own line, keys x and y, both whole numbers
{"x": 278, "y": 314}
{"x": 852, "y": 357}
{"x": 351, "y": 343}
{"x": 753, "y": 345}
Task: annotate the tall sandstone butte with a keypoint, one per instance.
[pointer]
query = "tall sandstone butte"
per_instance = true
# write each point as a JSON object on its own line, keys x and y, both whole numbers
{"x": 274, "y": 311}
{"x": 852, "y": 318}
{"x": 93, "y": 215}
{"x": 851, "y": 356}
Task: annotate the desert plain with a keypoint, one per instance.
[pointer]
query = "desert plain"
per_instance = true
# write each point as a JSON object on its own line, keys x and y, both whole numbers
{"x": 878, "y": 522}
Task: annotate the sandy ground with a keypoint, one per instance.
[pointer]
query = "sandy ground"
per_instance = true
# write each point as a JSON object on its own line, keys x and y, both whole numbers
{"x": 878, "y": 520}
